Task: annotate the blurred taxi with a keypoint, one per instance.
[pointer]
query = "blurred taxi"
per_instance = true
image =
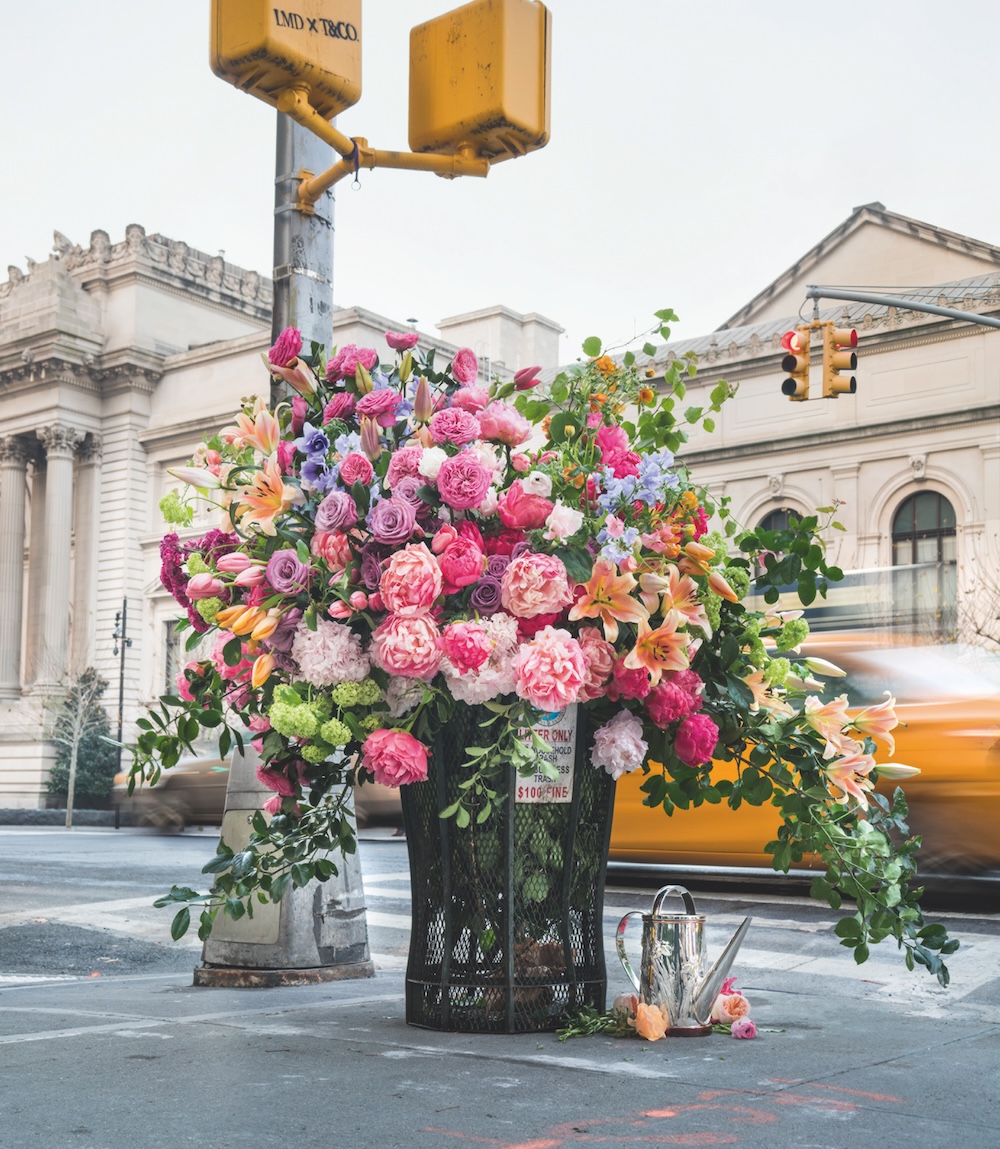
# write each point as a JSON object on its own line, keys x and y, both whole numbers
{"x": 948, "y": 705}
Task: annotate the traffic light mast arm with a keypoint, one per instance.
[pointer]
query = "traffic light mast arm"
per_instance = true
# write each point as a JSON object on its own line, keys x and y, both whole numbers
{"x": 814, "y": 292}
{"x": 294, "y": 102}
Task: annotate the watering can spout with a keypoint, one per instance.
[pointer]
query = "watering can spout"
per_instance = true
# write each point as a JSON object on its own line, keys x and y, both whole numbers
{"x": 712, "y": 983}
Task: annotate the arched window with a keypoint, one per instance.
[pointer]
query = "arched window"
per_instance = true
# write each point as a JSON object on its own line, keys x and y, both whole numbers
{"x": 777, "y": 520}
{"x": 924, "y": 546}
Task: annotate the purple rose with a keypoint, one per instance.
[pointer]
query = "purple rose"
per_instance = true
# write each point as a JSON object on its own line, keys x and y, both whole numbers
{"x": 496, "y": 565}
{"x": 371, "y": 566}
{"x": 281, "y": 640}
{"x": 391, "y": 521}
{"x": 336, "y": 512}
{"x": 286, "y": 573}
{"x": 485, "y": 595}
{"x": 408, "y": 489}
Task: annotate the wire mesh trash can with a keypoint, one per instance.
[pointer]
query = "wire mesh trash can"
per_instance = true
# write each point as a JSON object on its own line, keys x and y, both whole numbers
{"x": 507, "y": 930}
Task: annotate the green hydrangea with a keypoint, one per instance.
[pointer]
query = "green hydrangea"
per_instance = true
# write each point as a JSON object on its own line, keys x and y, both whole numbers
{"x": 713, "y": 609}
{"x": 347, "y": 694}
{"x": 335, "y": 732}
{"x": 175, "y": 511}
{"x": 293, "y": 721}
{"x": 196, "y": 564}
{"x": 369, "y": 692}
{"x": 739, "y": 579}
{"x": 776, "y": 671}
{"x": 316, "y": 751}
{"x": 208, "y": 608}
{"x": 322, "y": 707}
{"x": 793, "y": 633}
{"x": 716, "y": 540}
{"x": 371, "y": 722}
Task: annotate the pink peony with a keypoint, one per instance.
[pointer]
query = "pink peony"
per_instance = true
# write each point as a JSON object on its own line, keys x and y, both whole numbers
{"x": 394, "y": 758}
{"x": 355, "y": 468}
{"x": 472, "y": 399}
{"x": 619, "y": 746}
{"x": 402, "y": 340}
{"x": 333, "y": 548}
{"x": 465, "y": 365}
{"x": 743, "y": 1028}
{"x": 380, "y": 406}
{"x": 600, "y": 656}
{"x": 466, "y": 645}
{"x": 407, "y": 646}
{"x": 462, "y": 563}
{"x": 503, "y": 424}
{"x": 463, "y": 481}
{"x": 667, "y": 702}
{"x": 522, "y": 510}
{"x": 550, "y": 670}
{"x": 340, "y": 407}
{"x": 535, "y": 584}
{"x": 696, "y": 740}
{"x": 453, "y": 425}
{"x": 346, "y": 361}
{"x": 404, "y": 462}
{"x": 627, "y": 683}
{"x": 410, "y": 582}
{"x": 286, "y": 348}
{"x": 611, "y": 439}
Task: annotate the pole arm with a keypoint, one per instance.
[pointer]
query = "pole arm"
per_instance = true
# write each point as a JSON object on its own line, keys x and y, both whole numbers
{"x": 814, "y": 292}
{"x": 294, "y": 102}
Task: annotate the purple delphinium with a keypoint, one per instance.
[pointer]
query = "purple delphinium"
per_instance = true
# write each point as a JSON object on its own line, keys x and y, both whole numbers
{"x": 313, "y": 442}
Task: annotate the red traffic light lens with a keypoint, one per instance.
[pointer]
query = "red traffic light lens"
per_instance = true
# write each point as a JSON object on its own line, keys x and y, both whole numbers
{"x": 791, "y": 341}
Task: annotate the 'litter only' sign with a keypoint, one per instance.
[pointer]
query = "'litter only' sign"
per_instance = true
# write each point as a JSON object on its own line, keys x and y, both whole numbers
{"x": 558, "y": 731}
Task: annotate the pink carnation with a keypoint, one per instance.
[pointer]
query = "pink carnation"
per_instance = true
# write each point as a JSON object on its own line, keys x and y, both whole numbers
{"x": 403, "y": 464}
{"x": 600, "y": 656}
{"x": 411, "y": 581}
{"x": 503, "y": 424}
{"x": 453, "y": 425}
{"x": 465, "y": 365}
{"x": 619, "y": 746}
{"x": 286, "y": 348}
{"x": 535, "y": 584}
{"x": 463, "y": 481}
{"x": 394, "y": 757}
{"x": 407, "y": 646}
{"x": 549, "y": 670}
{"x": 466, "y": 645}
{"x": 402, "y": 340}
{"x": 346, "y": 361}
{"x": 696, "y": 740}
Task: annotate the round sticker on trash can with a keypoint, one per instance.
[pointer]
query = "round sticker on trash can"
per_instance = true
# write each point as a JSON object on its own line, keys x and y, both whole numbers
{"x": 558, "y": 731}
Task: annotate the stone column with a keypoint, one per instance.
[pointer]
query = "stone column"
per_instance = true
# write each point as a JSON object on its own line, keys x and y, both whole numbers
{"x": 14, "y": 456}
{"x": 86, "y": 532}
{"x": 60, "y": 446}
{"x": 36, "y": 567}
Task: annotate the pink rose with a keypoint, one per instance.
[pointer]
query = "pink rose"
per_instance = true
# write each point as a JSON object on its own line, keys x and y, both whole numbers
{"x": 462, "y": 563}
{"x": 402, "y": 340}
{"x": 743, "y": 1028}
{"x": 453, "y": 425}
{"x": 535, "y": 584}
{"x": 563, "y": 522}
{"x": 466, "y": 645}
{"x": 619, "y": 746}
{"x": 465, "y": 365}
{"x": 346, "y": 361}
{"x": 462, "y": 481}
{"x": 411, "y": 581}
{"x": 403, "y": 464}
{"x": 521, "y": 510}
{"x": 407, "y": 646}
{"x": 356, "y": 468}
{"x": 380, "y": 406}
{"x": 394, "y": 758}
{"x": 340, "y": 407}
{"x": 600, "y": 655}
{"x": 286, "y": 348}
{"x": 504, "y": 425}
{"x": 333, "y": 548}
{"x": 549, "y": 670}
{"x": 729, "y": 1007}
{"x": 276, "y": 780}
{"x": 696, "y": 740}
{"x": 472, "y": 399}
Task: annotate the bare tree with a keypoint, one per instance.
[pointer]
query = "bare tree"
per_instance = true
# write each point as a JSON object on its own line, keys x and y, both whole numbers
{"x": 82, "y": 731}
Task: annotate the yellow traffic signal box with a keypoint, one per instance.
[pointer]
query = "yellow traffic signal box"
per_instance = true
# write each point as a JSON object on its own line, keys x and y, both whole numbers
{"x": 838, "y": 355}
{"x": 796, "y": 363}
{"x": 479, "y": 79}
{"x": 310, "y": 44}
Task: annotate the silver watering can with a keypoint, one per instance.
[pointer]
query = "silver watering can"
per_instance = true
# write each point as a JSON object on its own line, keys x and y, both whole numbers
{"x": 673, "y": 964}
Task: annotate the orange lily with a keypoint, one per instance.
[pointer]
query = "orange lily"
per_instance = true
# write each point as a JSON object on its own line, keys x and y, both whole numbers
{"x": 662, "y": 649}
{"x": 696, "y": 558}
{"x": 679, "y": 592}
{"x": 607, "y": 596}
{"x": 266, "y": 496}
{"x": 850, "y": 775}
{"x": 262, "y": 432}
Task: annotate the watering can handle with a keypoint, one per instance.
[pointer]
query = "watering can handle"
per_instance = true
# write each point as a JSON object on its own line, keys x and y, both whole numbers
{"x": 620, "y": 944}
{"x": 662, "y": 893}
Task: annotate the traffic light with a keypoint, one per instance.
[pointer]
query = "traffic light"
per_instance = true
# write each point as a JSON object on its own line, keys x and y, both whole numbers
{"x": 837, "y": 357}
{"x": 796, "y": 363}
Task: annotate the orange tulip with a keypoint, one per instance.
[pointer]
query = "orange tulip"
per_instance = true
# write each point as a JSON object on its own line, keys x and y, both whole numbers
{"x": 262, "y": 668}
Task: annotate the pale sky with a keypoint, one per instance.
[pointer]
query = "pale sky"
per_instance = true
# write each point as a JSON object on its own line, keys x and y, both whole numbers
{"x": 697, "y": 150}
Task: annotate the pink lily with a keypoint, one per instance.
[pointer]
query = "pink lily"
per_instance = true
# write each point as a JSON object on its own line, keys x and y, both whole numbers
{"x": 297, "y": 374}
{"x": 826, "y": 718}
{"x": 198, "y": 477}
{"x": 607, "y": 596}
{"x": 659, "y": 650}
{"x": 265, "y": 497}
{"x": 850, "y": 775}
{"x": 877, "y": 721}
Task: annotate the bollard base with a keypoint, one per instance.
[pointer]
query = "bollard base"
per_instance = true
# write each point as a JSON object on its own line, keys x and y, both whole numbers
{"x": 233, "y": 977}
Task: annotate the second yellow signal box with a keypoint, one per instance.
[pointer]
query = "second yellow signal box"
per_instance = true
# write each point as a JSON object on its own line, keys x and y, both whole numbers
{"x": 479, "y": 79}
{"x": 310, "y": 44}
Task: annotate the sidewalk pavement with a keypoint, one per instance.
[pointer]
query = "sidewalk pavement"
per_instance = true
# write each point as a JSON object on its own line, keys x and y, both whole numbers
{"x": 148, "y": 1061}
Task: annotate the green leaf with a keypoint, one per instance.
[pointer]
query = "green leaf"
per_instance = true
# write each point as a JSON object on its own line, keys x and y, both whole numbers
{"x": 579, "y": 563}
{"x": 649, "y": 349}
{"x": 179, "y": 926}
{"x": 592, "y": 346}
{"x": 563, "y": 426}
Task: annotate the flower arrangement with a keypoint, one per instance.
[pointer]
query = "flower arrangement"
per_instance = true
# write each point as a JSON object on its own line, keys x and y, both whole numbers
{"x": 398, "y": 542}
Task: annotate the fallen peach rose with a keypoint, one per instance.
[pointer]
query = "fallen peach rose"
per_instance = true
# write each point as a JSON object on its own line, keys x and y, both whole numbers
{"x": 650, "y": 1021}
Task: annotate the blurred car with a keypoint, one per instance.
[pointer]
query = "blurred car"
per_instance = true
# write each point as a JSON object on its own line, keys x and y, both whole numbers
{"x": 948, "y": 705}
{"x": 193, "y": 793}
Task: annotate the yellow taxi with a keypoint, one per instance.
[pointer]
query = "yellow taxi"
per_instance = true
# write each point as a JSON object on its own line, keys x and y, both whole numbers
{"x": 948, "y": 705}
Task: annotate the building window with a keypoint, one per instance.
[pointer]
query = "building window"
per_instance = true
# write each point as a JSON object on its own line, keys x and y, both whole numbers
{"x": 173, "y": 655}
{"x": 924, "y": 565}
{"x": 777, "y": 520}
